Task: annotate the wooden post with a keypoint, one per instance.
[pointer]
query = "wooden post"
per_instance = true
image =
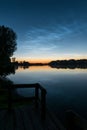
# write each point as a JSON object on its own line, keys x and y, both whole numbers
{"x": 36, "y": 96}
{"x": 43, "y": 104}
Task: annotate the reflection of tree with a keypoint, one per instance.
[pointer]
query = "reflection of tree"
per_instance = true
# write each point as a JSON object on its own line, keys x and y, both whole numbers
{"x": 6, "y": 70}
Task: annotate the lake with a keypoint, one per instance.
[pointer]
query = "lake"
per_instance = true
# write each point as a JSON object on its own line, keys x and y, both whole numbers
{"x": 66, "y": 88}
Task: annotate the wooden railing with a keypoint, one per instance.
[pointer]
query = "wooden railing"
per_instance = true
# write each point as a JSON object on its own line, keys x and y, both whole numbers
{"x": 39, "y": 96}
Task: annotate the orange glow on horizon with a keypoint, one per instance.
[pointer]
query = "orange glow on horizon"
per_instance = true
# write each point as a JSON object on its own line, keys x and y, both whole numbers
{"x": 34, "y": 60}
{"x": 45, "y": 60}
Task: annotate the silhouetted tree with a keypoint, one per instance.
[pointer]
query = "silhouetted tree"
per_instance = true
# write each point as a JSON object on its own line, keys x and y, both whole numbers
{"x": 82, "y": 63}
{"x": 7, "y": 47}
{"x": 7, "y": 41}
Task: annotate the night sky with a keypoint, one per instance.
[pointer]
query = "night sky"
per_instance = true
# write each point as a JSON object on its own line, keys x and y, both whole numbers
{"x": 47, "y": 29}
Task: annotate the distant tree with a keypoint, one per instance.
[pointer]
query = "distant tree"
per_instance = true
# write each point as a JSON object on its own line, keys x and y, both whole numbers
{"x": 7, "y": 41}
{"x": 13, "y": 59}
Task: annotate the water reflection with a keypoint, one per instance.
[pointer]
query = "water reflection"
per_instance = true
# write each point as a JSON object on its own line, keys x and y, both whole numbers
{"x": 6, "y": 69}
{"x": 49, "y": 68}
{"x": 34, "y": 68}
{"x": 66, "y": 88}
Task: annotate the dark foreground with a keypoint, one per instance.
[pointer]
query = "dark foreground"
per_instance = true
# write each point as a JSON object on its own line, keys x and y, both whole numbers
{"x": 27, "y": 118}
{"x": 31, "y": 113}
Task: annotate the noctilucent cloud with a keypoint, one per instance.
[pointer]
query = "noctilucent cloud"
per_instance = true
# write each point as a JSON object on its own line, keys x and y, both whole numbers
{"x": 47, "y": 29}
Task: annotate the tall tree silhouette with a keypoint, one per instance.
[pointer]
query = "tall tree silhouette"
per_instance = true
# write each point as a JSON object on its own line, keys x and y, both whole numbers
{"x": 7, "y": 43}
{"x": 7, "y": 47}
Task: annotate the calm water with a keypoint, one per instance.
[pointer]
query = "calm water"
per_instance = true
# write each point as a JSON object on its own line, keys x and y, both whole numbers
{"x": 66, "y": 88}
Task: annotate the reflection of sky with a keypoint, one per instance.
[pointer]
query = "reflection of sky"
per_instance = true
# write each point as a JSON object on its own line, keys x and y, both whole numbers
{"x": 46, "y": 29}
{"x": 66, "y": 88}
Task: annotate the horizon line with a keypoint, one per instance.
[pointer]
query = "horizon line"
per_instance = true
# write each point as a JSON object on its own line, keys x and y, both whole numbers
{"x": 48, "y": 61}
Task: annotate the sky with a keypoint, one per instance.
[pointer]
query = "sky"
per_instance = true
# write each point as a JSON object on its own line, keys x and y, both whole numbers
{"x": 47, "y": 29}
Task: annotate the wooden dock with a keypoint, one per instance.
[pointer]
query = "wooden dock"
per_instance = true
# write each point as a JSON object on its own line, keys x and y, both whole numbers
{"x": 27, "y": 116}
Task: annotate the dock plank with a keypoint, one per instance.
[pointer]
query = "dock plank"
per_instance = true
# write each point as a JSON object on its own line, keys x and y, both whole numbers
{"x": 9, "y": 122}
{"x": 19, "y": 124}
{"x": 35, "y": 118}
{"x": 3, "y": 114}
{"x": 27, "y": 118}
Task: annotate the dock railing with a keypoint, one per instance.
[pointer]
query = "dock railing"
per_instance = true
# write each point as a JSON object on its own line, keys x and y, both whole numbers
{"x": 39, "y": 96}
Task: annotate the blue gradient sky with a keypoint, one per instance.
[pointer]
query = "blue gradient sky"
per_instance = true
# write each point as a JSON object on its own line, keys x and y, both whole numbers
{"x": 47, "y": 29}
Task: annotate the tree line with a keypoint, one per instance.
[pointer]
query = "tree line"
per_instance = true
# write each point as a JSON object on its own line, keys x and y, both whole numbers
{"x": 81, "y": 63}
